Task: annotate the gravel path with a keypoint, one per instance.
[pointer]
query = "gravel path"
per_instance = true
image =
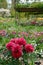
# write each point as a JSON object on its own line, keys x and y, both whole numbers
{"x": 41, "y": 61}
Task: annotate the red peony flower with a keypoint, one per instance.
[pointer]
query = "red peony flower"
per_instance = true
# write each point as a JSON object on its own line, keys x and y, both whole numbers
{"x": 13, "y": 40}
{"x": 16, "y": 51}
{"x": 9, "y": 45}
{"x": 21, "y": 41}
{"x": 29, "y": 48}
{"x": 17, "y": 45}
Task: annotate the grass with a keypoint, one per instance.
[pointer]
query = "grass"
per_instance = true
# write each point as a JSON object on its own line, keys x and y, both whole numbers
{"x": 11, "y": 25}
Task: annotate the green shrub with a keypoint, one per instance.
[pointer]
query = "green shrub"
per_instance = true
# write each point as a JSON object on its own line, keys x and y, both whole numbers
{"x": 36, "y": 5}
{"x": 12, "y": 12}
{"x": 22, "y": 5}
{"x": 33, "y": 5}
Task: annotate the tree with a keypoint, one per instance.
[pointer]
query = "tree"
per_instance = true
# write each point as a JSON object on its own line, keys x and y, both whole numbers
{"x": 17, "y": 1}
{"x": 12, "y": 7}
{"x": 3, "y": 4}
{"x": 27, "y": 1}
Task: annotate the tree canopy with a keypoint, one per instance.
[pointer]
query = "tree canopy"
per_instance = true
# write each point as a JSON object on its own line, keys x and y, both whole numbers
{"x": 3, "y": 4}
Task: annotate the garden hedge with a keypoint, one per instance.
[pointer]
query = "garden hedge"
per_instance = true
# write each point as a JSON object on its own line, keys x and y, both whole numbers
{"x": 33, "y": 5}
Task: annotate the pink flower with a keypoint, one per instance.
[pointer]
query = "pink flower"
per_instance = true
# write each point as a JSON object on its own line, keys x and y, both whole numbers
{"x": 9, "y": 45}
{"x": 2, "y": 32}
{"x": 42, "y": 33}
{"x": 14, "y": 32}
{"x": 29, "y": 48}
{"x": 16, "y": 51}
{"x": 21, "y": 41}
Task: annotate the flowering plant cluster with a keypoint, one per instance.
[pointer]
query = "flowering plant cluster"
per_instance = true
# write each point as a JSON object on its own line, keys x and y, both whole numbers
{"x": 19, "y": 46}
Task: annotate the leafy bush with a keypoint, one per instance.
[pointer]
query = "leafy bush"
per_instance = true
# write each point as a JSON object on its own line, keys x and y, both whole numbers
{"x": 33, "y": 5}
{"x": 36, "y": 5}
{"x": 12, "y": 12}
{"x": 22, "y": 5}
{"x": 17, "y": 52}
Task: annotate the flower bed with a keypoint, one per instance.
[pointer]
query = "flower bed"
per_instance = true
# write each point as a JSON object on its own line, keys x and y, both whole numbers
{"x": 18, "y": 51}
{"x": 31, "y": 34}
{"x": 34, "y": 23}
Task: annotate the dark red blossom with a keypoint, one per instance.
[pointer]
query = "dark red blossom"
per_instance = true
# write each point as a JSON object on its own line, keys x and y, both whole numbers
{"x": 9, "y": 45}
{"x": 16, "y": 51}
{"x": 33, "y": 22}
{"x": 21, "y": 41}
{"x": 29, "y": 48}
{"x": 14, "y": 40}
